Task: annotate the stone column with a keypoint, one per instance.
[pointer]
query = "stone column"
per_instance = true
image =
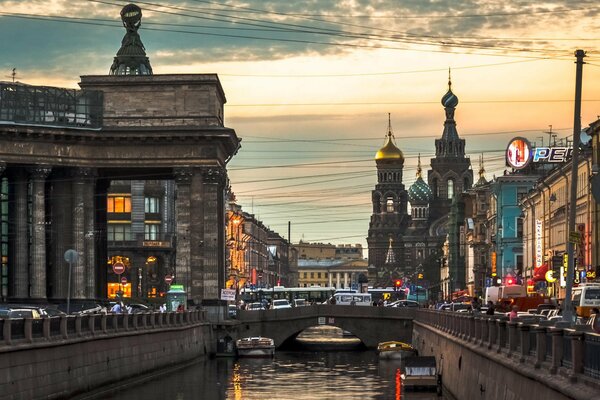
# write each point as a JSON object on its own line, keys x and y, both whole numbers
{"x": 38, "y": 239}
{"x": 345, "y": 280}
{"x": 557, "y": 349}
{"x": 330, "y": 279}
{"x": 484, "y": 333}
{"x": 79, "y": 270}
{"x": 89, "y": 208}
{"x": 183, "y": 180}
{"x": 492, "y": 332}
{"x": 209, "y": 250}
{"x": 501, "y": 327}
{"x": 20, "y": 282}
{"x": 540, "y": 345}
{"x": 524, "y": 332}
{"x": 577, "y": 338}
{"x": 337, "y": 280}
{"x": 513, "y": 336}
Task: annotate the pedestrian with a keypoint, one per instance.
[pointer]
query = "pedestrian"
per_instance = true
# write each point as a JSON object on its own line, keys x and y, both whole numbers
{"x": 180, "y": 308}
{"x": 475, "y": 304}
{"x": 595, "y": 320}
{"x": 332, "y": 301}
{"x": 162, "y": 308}
{"x": 513, "y": 314}
{"x": 116, "y": 309}
{"x": 490, "y": 308}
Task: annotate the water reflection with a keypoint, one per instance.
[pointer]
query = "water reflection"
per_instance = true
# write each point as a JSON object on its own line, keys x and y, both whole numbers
{"x": 293, "y": 375}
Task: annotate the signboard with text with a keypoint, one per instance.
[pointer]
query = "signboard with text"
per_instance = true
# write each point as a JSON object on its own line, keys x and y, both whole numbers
{"x": 520, "y": 153}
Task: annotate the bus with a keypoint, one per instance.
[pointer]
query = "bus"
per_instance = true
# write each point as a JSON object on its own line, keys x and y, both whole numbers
{"x": 316, "y": 294}
{"x": 585, "y": 297}
{"x": 419, "y": 294}
{"x": 389, "y": 293}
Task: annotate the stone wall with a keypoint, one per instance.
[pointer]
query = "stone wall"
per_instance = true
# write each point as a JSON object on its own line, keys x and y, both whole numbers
{"x": 66, "y": 358}
{"x": 490, "y": 358}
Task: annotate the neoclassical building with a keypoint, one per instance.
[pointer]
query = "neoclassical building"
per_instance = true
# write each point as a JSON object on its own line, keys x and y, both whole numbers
{"x": 71, "y": 168}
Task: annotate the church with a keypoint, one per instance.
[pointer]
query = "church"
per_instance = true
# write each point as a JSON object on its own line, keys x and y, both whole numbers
{"x": 408, "y": 246}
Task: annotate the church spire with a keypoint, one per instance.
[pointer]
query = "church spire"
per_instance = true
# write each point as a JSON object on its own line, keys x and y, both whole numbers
{"x": 390, "y": 258}
{"x": 419, "y": 170}
{"x": 482, "y": 180}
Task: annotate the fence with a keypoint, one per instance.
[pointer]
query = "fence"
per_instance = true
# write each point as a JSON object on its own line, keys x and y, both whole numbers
{"x": 574, "y": 351}
{"x": 28, "y": 330}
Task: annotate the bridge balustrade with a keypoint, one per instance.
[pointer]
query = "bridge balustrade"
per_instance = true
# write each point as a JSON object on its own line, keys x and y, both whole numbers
{"x": 48, "y": 329}
{"x": 553, "y": 346}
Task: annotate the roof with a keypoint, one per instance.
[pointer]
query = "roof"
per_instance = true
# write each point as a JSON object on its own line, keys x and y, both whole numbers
{"x": 425, "y": 361}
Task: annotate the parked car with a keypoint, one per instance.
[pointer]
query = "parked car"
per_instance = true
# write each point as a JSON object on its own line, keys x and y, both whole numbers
{"x": 462, "y": 307}
{"x": 299, "y": 302}
{"x": 404, "y": 303}
{"x": 255, "y": 306}
{"x": 12, "y": 313}
{"x": 83, "y": 308}
{"x": 280, "y": 303}
{"x": 53, "y": 312}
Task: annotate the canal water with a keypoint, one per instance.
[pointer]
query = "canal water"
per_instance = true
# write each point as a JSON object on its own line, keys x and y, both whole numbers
{"x": 335, "y": 369}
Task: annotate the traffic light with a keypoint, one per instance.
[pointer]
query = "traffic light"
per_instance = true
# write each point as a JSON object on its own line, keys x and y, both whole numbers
{"x": 397, "y": 284}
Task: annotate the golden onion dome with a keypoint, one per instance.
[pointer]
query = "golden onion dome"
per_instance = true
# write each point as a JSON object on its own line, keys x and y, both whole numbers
{"x": 389, "y": 151}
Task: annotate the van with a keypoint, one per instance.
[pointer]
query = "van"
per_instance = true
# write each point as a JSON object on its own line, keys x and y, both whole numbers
{"x": 352, "y": 299}
{"x": 508, "y": 292}
{"x": 585, "y": 297}
{"x": 491, "y": 294}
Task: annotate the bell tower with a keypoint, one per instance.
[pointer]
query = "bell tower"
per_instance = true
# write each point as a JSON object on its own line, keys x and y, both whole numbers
{"x": 389, "y": 220}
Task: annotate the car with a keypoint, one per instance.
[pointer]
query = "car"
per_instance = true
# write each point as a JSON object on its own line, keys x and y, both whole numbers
{"x": 404, "y": 303}
{"x": 255, "y": 306}
{"x": 53, "y": 312}
{"x": 138, "y": 308}
{"x": 299, "y": 302}
{"x": 280, "y": 303}
{"x": 13, "y": 313}
{"x": 82, "y": 308}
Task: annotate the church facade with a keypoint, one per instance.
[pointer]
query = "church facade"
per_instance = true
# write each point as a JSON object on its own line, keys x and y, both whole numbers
{"x": 408, "y": 246}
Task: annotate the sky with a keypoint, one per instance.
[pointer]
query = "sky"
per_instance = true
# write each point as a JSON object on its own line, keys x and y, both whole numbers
{"x": 310, "y": 83}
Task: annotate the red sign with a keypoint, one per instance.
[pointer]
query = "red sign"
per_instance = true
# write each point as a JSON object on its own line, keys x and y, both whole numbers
{"x": 168, "y": 279}
{"x": 118, "y": 268}
{"x": 123, "y": 280}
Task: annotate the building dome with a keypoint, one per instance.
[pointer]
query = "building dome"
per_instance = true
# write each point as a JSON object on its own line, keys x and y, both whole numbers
{"x": 389, "y": 151}
{"x": 419, "y": 192}
{"x": 449, "y": 100}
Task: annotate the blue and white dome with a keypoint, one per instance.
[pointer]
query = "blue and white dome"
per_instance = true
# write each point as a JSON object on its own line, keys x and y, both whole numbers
{"x": 419, "y": 192}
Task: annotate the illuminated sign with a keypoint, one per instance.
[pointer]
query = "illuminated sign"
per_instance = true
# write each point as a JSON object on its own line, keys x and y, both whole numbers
{"x": 539, "y": 247}
{"x": 494, "y": 272}
{"x": 519, "y": 153}
{"x": 550, "y": 276}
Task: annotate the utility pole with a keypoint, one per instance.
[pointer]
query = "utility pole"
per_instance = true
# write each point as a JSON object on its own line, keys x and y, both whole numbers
{"x": 567, "y": 310}
{"x": 550, "y": 134}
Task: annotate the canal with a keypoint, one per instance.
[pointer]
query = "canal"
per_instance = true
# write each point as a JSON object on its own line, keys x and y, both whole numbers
{"x": 324, "y": 365}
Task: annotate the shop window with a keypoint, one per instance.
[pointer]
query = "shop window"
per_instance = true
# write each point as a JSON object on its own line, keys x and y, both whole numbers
{"x": 119, "y": 204}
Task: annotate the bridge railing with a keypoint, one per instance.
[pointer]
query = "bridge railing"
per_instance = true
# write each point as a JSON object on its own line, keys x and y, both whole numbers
{"x": 573, "y": 351}
{"x": 48, "y": 329}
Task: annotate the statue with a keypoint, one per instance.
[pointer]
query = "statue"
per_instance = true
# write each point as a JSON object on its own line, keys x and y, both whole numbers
{"x": 131, "y": 58}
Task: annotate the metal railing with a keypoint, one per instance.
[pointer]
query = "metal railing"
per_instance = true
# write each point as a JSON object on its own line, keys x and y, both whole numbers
{"x": 574, "y": 351}
{"x": 50, "y": 329}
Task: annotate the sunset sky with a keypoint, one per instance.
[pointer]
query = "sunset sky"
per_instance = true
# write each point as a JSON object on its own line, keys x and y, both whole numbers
{"x": 309, "y": 83}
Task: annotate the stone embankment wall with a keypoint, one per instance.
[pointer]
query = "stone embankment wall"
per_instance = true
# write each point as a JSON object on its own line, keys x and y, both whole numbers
{"x": 493, "y": 359}
{"x": 60, "y": 357}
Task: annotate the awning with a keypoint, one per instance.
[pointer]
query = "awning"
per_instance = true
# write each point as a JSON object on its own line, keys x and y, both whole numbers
{"x": 539, "y": 273}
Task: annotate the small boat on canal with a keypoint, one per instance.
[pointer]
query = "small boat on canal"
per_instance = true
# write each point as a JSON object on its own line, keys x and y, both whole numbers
{"x": 255, "y": 347}
{"x": 394, "y": 350}
{"x": 421, "y": 373}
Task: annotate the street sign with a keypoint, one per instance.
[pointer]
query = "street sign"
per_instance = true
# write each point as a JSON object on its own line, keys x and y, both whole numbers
{"x": 575, "y": 237}
{"x": 168, "y": 279}
{"x": 118, "y": 268}
{"x": 228, "y": 294}
{"x": 124, "y": 280}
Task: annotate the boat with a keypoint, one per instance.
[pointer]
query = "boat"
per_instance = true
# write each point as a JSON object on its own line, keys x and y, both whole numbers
{"x": 421, "y": 372}
{"x": 255, "y": 347}
{"x": 394, "y": 350}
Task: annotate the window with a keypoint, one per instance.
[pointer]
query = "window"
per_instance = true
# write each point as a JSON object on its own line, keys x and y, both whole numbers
{"x": 450, "y": 188}
{"x": 119, "y": 204}
{"x": 319, "y": 275}
{"x": 151, "y": 231}
{"x": 305, "y": 275}
{"x": 312, "y": 275}
{"x": 519, "y": 227}
{"x": 390, "y": 205}
{"x": 152, "y": 205}
{"x": 118, "y": 232}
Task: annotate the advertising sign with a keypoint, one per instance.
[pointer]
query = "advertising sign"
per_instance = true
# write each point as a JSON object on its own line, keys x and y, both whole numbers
{"x": 519, "y": 153}
{"x": 228, "y": 294}
{"x": 539, "y": 247}
{"x": 494, "y": 272}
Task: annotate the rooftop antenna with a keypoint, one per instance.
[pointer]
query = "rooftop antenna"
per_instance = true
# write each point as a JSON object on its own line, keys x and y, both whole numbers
{"x": 13, "y": 75}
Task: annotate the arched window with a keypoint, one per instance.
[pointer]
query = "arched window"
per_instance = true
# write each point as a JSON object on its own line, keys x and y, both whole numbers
{"x": 451, "y": 188}
{"x": 434, "y": 187}
{"x": 390, "y": 205}
{"x": 466, "y": 184}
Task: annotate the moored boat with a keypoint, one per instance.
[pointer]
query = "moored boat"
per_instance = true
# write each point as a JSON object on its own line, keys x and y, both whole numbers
{"x": 255, "y": 347}
{"x": 421, "y": 372}
{"x": 395, "y": 350}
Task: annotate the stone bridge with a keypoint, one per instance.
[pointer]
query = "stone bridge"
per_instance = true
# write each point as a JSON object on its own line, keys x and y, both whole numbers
{"x": 370, "y": 324}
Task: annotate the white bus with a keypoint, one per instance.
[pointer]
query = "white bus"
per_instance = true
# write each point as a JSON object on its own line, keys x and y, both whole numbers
{"x": 585, "y": 297}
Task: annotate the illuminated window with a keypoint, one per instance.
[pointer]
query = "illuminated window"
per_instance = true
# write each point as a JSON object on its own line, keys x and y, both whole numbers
{"x": 119, "y": 204}
{"x": 118, "y": 232}
{"x": 390, "y": 205}
{"x": 151, "y": 231}
{"x": 152, "y": 205}
{"x": 450, "y": 188}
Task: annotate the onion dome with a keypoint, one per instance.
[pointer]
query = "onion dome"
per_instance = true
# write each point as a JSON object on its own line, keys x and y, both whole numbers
{"x": 389, "y": 151}
{"x": 419, "y": 192}
{"x": 449, "y": 100}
